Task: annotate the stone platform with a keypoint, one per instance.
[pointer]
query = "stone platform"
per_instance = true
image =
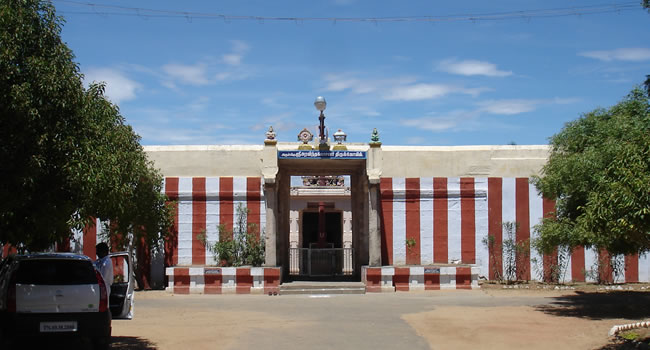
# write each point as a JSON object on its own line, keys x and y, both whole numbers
{"x": 413, "y": 278}
{"x": 266, "y": 280}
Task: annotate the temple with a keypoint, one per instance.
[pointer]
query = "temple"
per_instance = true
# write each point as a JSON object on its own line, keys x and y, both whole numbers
{"x": 392, "y": 217}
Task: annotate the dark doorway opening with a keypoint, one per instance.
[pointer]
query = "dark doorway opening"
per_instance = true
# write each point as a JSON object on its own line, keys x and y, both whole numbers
{"x": 333, "y": 229}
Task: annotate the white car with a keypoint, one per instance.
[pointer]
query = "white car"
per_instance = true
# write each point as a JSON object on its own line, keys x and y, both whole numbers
{"x": 61, "y": 294}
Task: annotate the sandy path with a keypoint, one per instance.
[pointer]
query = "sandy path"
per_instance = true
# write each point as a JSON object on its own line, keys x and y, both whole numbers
{"x": 509, "y": 327}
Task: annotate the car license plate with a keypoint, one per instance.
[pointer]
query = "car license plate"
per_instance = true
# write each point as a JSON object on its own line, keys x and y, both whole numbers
{"x": 69, "y": 326}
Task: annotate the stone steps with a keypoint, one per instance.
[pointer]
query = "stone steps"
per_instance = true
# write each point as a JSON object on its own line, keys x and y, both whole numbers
{"x": 319, "y": 288}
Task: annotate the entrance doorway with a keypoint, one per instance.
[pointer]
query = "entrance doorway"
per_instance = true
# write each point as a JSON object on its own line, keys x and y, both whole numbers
{"x": 323, "y": 257}
{"x": 333, "y": 229}
{"x": 305, "y": 187}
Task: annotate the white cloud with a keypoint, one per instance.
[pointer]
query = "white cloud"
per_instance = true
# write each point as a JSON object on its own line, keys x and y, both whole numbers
{"x": 431, "y": 123}
{"x": 346, "y": 81}
{"x": 472, "y": 67}
{"x": 118, "y": 87}
{"x": 418, "y": 92}
{"x": 428, "y": 92}
{"x": 454, "y": 120}
{"x": 508, "y": 107}
{"x": 395, "y": 89}
{"x": 623, "y": 54}
{"x": 189, "y": 74}
{"x": 234, "y": 58}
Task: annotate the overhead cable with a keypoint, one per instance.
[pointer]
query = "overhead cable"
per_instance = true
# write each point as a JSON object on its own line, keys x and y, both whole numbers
{"x": 114, "y": 10}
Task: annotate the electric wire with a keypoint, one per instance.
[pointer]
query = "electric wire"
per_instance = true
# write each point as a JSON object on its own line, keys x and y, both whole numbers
{"x": 115, "y": 10}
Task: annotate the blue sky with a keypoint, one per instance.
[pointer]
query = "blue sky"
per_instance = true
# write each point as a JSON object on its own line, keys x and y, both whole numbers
{"x": 197, "y": 79}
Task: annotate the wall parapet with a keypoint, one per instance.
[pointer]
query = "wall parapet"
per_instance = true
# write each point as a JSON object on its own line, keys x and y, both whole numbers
{"x": 419, "y": 278}
{"x": 223, "y": 280}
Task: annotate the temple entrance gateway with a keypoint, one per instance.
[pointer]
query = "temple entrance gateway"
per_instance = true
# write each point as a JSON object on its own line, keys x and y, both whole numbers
{"x": 322, "y": 218}
{"x": 320, "y": 237}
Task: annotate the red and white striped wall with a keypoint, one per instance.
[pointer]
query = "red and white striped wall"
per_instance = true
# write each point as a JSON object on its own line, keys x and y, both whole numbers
{"x": 204, "y": 203}
{"x": 223, "y": 280}
{"x": 419, "y": 278}
{"x": 84, "y": 241}
{"x": 445, "y": 220}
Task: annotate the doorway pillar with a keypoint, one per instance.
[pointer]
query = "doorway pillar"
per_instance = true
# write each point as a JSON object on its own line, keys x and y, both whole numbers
{"x": 374, "y": 166}
{"x": 374, "y": 229}
{"x": 270, "y": 195}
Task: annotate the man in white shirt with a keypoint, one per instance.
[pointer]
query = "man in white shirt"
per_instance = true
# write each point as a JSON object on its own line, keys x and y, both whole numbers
{"x": 105, "y": 266}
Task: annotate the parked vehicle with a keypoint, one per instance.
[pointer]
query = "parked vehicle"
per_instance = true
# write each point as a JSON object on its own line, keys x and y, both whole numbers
{"x": 53, "y": 294}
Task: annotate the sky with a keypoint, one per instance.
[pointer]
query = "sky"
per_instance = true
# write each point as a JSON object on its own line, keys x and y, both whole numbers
{"x": 440, "y": 73}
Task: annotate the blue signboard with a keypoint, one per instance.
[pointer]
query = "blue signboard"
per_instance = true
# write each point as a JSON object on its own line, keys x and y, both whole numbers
{"x": 321, "y": 154}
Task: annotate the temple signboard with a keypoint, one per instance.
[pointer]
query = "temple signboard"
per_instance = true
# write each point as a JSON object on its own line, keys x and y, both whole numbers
{"x": 316, "y": 154}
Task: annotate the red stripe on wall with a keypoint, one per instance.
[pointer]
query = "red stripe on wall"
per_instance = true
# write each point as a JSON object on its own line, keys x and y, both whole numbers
{"x": 463, "y": 278}
{"x": 550, "y": 261}
{"x": 495, "y": 232}
{"x": 386, "y": 190}
{"x": 373, "y": 279}
{"x": 226, "y": 206}
{"x": 198, "y": 220}
{"x": 632, "y": 268}
{"x": 431, "y": 281}
{"x": 578, "y": 264}
{"x": 522, "y": 236}
{"x": 244, "y": 281}
{"x": 440, "y": 226}
{"x": 401, "y": 278}
{"x": 606, "y": 271}
{"x": 271, "y": 280}
{"x": 213, "y": 280}
{"x": 253, "y": 203}
{"x": 413, "y": 220}
{"x": 171, "y": 245}
{"x": 8, "y": 249}
{"x": 90, "y": 239}
{"x": 64, "y": 245}
{"x": 182, "y": 280}
{"x": 467, "y": 221}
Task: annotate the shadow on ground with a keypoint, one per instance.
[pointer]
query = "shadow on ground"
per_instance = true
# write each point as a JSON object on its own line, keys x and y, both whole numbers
{"x": 617, "y": 345}
{"x": 132, "y": 343}
{"x": 597, "y": 305}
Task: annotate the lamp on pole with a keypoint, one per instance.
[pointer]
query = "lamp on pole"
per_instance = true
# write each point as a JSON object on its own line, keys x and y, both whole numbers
{"x": 320, "y": 105}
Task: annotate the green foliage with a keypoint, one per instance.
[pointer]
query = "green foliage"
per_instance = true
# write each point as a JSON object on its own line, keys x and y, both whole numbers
{"x": 66, "y": 152}
{"x": 630, "y": 335}
{"x": 599, "y": 170}
{"x": 239, "y": 247}
{"x": 513, "y": 254}
{"x": 557, "y": 267}
{"x": 410, "y": 243}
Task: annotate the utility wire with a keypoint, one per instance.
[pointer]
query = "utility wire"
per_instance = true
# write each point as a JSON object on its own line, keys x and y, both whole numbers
{"x": 114, "y": 10}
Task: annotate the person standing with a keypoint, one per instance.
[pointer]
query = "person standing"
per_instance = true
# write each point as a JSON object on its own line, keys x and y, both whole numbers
{"x": 104, "y": 265}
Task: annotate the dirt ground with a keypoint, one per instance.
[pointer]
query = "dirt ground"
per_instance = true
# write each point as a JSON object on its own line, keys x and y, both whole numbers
{"x": 486, "y": 319}
{"x": 577, "y": 319}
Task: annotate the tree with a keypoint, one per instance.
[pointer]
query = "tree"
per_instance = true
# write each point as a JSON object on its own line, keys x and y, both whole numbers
{"x": 66, "y": 153}
{"x": 599, "y": 171}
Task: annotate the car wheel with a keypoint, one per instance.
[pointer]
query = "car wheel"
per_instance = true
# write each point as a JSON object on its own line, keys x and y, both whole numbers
{"x": 101, "y": 343}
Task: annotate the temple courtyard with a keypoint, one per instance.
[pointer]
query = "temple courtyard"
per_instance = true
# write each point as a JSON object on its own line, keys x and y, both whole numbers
{"x": 492, "y": 318}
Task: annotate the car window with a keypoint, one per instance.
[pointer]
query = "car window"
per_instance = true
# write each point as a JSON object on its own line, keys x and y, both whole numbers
{"x": 120, "y": 269}
{"x": 55, "y": 272}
